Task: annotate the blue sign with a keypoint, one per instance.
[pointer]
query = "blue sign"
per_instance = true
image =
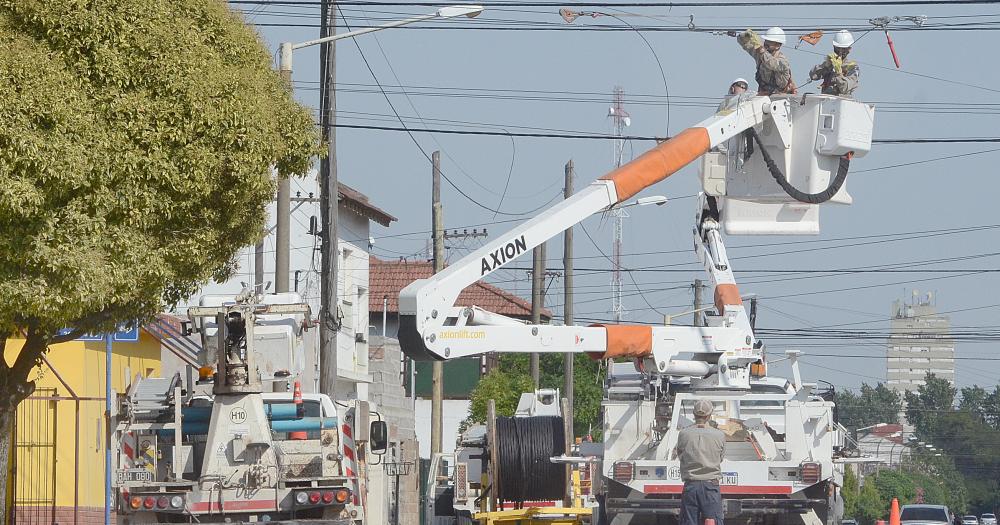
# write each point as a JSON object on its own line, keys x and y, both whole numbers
{"x": 121, "y": 336}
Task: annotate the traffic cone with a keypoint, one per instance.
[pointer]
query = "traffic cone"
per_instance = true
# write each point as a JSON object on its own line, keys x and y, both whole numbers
{"x": 894, "y": 512}
{"x": 300, "y": 411}
{"x": 709, "y": 521}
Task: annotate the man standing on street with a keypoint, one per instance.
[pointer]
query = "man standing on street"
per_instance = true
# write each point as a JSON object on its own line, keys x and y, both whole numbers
{"x": 700, "y": 448}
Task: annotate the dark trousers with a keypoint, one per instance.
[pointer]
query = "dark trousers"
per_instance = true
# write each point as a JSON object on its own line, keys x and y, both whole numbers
{"x": 699, "y": 501}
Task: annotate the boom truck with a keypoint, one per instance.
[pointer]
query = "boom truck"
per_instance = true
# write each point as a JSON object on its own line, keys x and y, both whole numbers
{"x": 226, "y": 450}
{"x": 766, "y": 166}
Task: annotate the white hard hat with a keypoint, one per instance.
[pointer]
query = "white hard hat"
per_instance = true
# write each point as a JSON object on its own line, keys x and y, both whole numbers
{"x": 843, "y": 38}
{"x": 740, "y": 79}
{"x": 775, "y": 34}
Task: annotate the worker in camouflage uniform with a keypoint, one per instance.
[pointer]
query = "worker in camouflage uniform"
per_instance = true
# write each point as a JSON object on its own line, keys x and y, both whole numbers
{"x": 839, "y": 75}
{"x": 774, "y": 73}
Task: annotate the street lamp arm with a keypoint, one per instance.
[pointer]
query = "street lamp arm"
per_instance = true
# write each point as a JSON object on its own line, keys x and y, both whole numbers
{"x": 357, "y": 32}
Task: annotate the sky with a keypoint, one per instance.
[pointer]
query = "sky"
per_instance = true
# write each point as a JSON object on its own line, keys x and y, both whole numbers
{"x": 925, "y": 211}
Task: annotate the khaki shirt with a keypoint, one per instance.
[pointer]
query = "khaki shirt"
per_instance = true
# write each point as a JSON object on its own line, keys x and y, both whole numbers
{"x": 841, "y": 84}
{"x": 774, "y": 73}
{"x": 700, "y": 449}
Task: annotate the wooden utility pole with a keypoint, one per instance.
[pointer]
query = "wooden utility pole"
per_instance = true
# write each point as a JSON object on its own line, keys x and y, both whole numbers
{"x": 329, "y": 193}
{"x": 568, "y": 303}
{"x": 537, "y": 301}
{"x": 697, "y": 302}
{"x": 437, "y": 373}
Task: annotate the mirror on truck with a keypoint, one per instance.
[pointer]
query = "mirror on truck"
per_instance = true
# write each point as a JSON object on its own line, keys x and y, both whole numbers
{"x": 379, "y": 437}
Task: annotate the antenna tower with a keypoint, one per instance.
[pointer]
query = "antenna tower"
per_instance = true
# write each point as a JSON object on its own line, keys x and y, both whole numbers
{"x": 620, "y": 120}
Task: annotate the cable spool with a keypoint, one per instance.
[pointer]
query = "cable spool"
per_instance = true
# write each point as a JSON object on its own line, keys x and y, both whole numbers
{"x": 523, "y": 468}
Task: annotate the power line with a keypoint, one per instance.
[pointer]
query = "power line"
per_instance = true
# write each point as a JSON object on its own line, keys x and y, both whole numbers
{"x": 936, "y": 140}
{"x": 798, "y": 3}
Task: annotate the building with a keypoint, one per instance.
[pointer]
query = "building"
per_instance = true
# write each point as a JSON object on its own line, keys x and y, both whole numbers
{"x": 462, "y": 375}
{"x": 919, "y": 342}
{"x": 356, "y": 213}
{"x": 60, "y": 429}
{"x": 885, "y": 445}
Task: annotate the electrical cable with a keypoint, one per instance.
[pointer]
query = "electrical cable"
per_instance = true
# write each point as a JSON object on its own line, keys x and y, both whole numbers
{"x": 524, "y": 448}
{"x": 417, "y": 143}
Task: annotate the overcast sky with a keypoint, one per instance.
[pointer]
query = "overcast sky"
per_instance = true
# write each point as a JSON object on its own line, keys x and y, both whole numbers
{"x": 464, "y": 71}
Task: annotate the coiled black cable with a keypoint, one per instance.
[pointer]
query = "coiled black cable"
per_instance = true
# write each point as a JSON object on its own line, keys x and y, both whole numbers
{"x": 524, "y": 446}
{"x": 792, "y": 191}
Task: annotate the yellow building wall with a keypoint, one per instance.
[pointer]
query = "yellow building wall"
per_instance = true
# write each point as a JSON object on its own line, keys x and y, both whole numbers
{"x": 81, "y": 364}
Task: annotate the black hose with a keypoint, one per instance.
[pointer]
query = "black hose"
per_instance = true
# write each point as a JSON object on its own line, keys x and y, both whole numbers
{"x": 792, "y": 191}
{"x": 524, "y": 446}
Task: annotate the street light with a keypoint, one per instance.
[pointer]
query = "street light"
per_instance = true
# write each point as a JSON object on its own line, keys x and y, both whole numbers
{"x": 329, "y": 323}
{"x": 453, "y": 11}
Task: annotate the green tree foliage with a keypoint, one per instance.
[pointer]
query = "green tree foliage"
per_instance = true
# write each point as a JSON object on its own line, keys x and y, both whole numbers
{"x": 932, "y": 399}
{"x": 870, "y": 406}
{"x": 504, "y": 387}
{"x": 512, "y": 378}
{"x": 135, "y": 158}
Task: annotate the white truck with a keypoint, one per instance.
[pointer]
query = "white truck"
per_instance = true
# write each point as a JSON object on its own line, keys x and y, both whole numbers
{"x": 767, "y": 164}
{"x": 235, "y": 452}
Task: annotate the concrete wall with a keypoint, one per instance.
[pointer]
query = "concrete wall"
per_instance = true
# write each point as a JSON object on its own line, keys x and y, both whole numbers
{"x": 386, "y": 393}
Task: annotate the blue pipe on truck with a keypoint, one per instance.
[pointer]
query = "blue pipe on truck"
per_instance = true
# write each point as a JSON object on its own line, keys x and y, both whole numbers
{"x": 296, "y": 425}
{"x": 273, "y": 411}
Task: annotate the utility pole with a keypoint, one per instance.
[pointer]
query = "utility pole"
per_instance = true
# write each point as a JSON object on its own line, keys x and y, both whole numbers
{"x": 568, "y": 304}
{"x": 620, "y": 119}
{"x": 537, "y": 300}
{"x": 282, "y": 218}
{"x": 258, "y": 267}
{"x": 329, "y": 196}
{"x": 437, "y": 373}
{"x": 698, "y": 286}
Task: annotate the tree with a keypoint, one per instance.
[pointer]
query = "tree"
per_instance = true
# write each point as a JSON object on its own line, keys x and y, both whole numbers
{"x": 923, "y": 407}
{"x": 872, "y": 405}
{"x": 516, "y": 379}
{"x": 504, "y": 388}
{"x": 135, "y": 157}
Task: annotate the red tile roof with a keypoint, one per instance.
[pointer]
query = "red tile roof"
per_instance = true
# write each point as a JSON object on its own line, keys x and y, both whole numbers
{"x": 387, "y": 278}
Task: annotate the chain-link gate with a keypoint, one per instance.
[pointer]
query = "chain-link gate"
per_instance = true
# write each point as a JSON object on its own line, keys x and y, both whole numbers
{"x": 35, "y": 459}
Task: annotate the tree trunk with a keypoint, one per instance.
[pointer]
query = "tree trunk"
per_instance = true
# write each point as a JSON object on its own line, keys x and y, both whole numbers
{"x": 6, "y": 459}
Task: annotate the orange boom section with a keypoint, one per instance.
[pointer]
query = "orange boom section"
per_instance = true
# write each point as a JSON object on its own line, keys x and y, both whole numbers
{"x": 660, "y": 162}
{"x": 727, "y": 294}
{"x": 626, "y": 341}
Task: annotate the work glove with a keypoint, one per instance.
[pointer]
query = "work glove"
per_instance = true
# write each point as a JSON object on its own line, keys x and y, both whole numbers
{"x": 837, "y": 63}
{"x": 750, "y": 37}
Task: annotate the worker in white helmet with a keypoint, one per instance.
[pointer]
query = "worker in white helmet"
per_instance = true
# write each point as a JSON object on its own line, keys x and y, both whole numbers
{"x": 739, "y": 86}
{"x": 839, "y": 75}
{"x": 774, "y": 73}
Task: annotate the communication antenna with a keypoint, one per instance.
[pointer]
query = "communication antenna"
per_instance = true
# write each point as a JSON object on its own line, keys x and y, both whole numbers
{"x": 620, "y": 119}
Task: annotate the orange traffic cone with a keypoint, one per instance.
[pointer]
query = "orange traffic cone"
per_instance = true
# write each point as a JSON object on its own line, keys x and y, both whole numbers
{"x": 300, "y": 411}
{"x": 894, "y": 512}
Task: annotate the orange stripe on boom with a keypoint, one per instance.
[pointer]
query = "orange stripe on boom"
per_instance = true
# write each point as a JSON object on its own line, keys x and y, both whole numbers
{"x": 659, "y": 163}
{"x": 626, "y": 341}
{"x": 727, "y": 294}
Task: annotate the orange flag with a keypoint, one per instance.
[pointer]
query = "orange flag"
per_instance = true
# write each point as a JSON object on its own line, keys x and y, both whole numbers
{"x": 811, "y": 38}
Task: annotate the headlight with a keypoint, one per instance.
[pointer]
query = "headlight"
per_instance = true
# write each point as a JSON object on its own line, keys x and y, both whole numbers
{"x": 176, "y": 502}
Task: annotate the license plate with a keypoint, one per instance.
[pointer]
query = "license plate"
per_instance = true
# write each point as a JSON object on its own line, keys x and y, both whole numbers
{"x": 130, "y": 475}
{"x": 730, "y": 478}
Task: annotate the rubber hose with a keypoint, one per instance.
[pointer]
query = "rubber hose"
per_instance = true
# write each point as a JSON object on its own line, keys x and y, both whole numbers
{"x": 524, "y": 446}
{"x": 795, "y": 193}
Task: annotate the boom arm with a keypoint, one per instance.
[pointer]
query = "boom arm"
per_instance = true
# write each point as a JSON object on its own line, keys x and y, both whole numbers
{"x": 432, "y": 328}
